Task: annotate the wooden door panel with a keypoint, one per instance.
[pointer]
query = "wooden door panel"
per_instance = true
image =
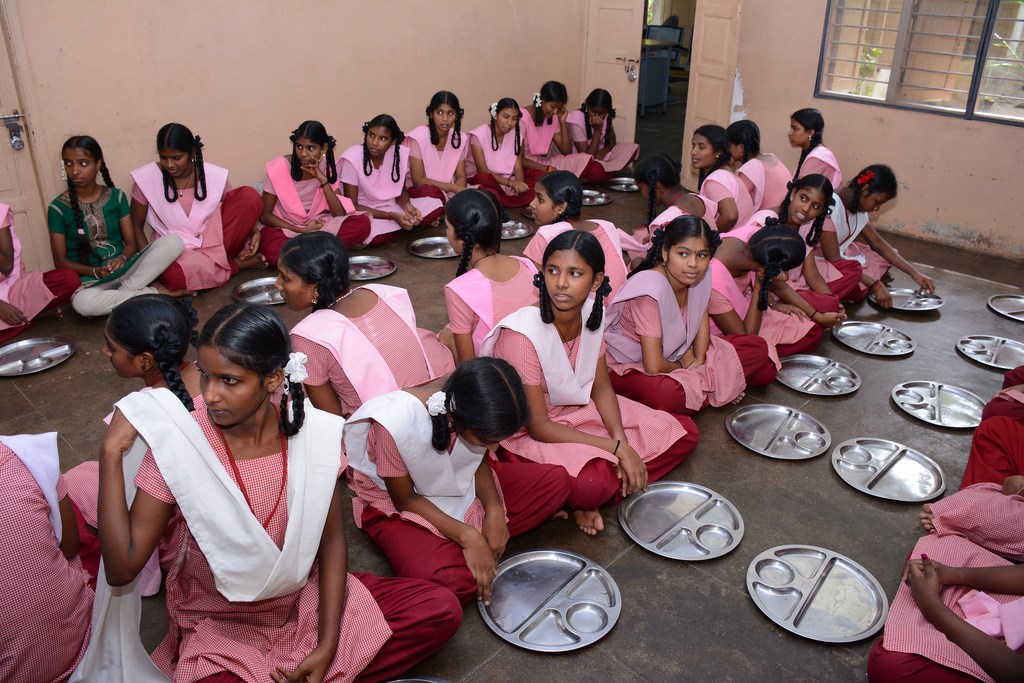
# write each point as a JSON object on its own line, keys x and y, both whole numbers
{"x": 614, "y": 34}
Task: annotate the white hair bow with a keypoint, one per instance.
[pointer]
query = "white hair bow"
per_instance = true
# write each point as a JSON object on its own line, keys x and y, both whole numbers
{"x": 295, "y": 370}
{"x": 436, "y": 404}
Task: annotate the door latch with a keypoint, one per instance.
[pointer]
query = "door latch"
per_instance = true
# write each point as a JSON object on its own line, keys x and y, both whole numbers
{"x": 14, "y": 128}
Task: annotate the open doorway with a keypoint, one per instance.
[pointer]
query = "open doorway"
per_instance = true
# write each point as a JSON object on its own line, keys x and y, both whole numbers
{"x": 664, "y": 76}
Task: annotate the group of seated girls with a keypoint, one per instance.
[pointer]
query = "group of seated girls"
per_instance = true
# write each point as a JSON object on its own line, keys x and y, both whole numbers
{"x": 569, "y": 382}
{"x": 182, "y": 228}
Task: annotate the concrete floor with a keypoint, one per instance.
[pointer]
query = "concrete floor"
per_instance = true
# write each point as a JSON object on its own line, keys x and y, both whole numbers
{"x": 680, "y": 621}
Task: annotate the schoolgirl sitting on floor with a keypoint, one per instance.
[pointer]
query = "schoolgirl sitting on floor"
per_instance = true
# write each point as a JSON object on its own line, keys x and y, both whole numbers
{"x": 657, "y": 177}
{"x": 709, "y": 153}
{"x": 374, "y": 175}
{"x": 546, "y": 138}
{"x": 591, "y": 131}
{"x": 660, "y": 348}
{"x": 260, "y": 587}
{"x": 497, "y": 156}
{"x": 744, "y": 271}
{"x": 557, "y": 207}
{"x": 806, "y": 128}
{"x": 300, "y": 194}
{"x": 610, "y": 446}
{"x": 429, "y": 494}
{"x": 437, "y": 151}
{"x": 183, "y": 195}
{"x": 91, "y": 233}
{"x": 764, "y": 175}
{"x": 24, "y": 294}
{"x": 488, "y": 285}
{"x": 862, "y": 196}
{"x": 361, "y": 342}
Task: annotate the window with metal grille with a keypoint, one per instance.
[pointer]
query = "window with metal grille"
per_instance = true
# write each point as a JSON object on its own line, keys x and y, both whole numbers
{"x": 958, "y": 57}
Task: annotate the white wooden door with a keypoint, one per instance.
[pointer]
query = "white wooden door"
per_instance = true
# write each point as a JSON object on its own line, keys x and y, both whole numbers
{"x": 614, "y": 33}
{"x": 713, "y": 55}
{"x": 19, "y": 186}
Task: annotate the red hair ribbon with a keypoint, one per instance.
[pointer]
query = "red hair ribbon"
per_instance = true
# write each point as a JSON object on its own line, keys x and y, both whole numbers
{"x": 865, "y": 177}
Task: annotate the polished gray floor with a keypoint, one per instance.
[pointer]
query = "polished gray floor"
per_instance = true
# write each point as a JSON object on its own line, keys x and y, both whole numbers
{"x": 680, "y": 621}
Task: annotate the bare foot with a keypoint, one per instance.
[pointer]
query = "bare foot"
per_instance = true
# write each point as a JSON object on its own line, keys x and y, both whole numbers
{"x": 254, "y": 262}
{"x": 175, "y": 293}
{"x": 927, "y": 518}
{"x": 590, "y": 522}
{"x": 739, "y": 398}
{"x": 561, "y": 514}
{"x": 53, "y": 313}
{"x": 1013, "y": 485}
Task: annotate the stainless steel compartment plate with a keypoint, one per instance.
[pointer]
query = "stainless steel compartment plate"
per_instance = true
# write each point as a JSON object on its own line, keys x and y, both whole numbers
{"x": 514, "y": 230}
{"x": 778, "y": 432}
{"x": 1008, "y": 305}
{"x": 874, "y": 338}
{"x": 258, "y": 291}
{"x": 995, "y": 352}
{"x": 886, "y": 469}
{"x": 552, "y": 601}
{"x": 905, "y": 299}
{"x": 34, "y": 355}
{"x": 622, "y": 184}
{"x": 367, "y": 267}
{"x": 432, "y": 247}
{"x": 682, "y": 521}
{"x": 818, "y": 376}
{"x": 939, "y": 404}
{"x": 595, "y": 198}
{"x": 817, "y": 593}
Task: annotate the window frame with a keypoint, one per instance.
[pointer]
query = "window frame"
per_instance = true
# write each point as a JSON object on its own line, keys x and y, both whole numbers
{"x": 970, "y": 112}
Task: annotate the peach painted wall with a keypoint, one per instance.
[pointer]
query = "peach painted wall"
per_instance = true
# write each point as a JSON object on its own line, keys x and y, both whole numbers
{"x": 243, "y": 73}
{"x": 958, "y": 179}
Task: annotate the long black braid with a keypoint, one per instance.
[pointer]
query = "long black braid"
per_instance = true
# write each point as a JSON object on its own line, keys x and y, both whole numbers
{"x": 84, "y": 245}
{"x": 483, "y": 396}
{"x": 588, "y": 247}
{"x": 505, "y": 103}
{"x": 777, "y": 248}
{"x": 476, "y": 217}
{"x": 678, "y": 229}
{"x": 654, "y": 169}
{"x": 602, "y": 99}
{"x": 552, "y": 91}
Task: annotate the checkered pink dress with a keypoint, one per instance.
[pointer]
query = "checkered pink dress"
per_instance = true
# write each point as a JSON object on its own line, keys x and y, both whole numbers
{"x": 208, "y": 634}
{"x": 975, "y": 527}
{"x": 719, "y": 380}
{"x": 393, "y": 340}
{"x": 45, "y": 599}
{"x": 650, "y": 432}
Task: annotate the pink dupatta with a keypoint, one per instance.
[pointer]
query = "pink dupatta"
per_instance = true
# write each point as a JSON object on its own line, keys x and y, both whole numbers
{"x": 474, "y": 288}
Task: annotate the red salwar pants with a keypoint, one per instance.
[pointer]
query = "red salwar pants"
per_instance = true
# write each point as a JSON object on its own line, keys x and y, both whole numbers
{"x": 886, "y": 666}
{"x": 1007, "y": 407}
{"x": 487, "y": 182}
{"x": 354, "y": 230}
{"x": 997, "y": 451}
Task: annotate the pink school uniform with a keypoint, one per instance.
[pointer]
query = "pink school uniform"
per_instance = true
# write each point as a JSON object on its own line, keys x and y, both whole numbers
{"x": 204, "y": 262}
{"x": 643, "y": 235}
{"x": 847, "y": 226}
{"x": 565, "y": 372}
{"x": 612, "y": 240}
{"x": 373, "y": 354}
{"x": 539, "y": 144}
{"x": 437, "y": 165}
{"x": 23, "y": 289}
{"x": 822, "y": 160}
{"x": 646, "y": 306}
{"x": 45, "y": 599}
{"x": 299, "y": 202}
{"x": 724, "y": 184}
{"x": 776, "y": 328}
{"x": 378, "y": 190}
{"x": 768, "y": 180}
{"x": 500, "y": 162}
{"x": 475, "y": 303}
{"x": 976, "y": 527}
{"x": 617, "y": 158}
